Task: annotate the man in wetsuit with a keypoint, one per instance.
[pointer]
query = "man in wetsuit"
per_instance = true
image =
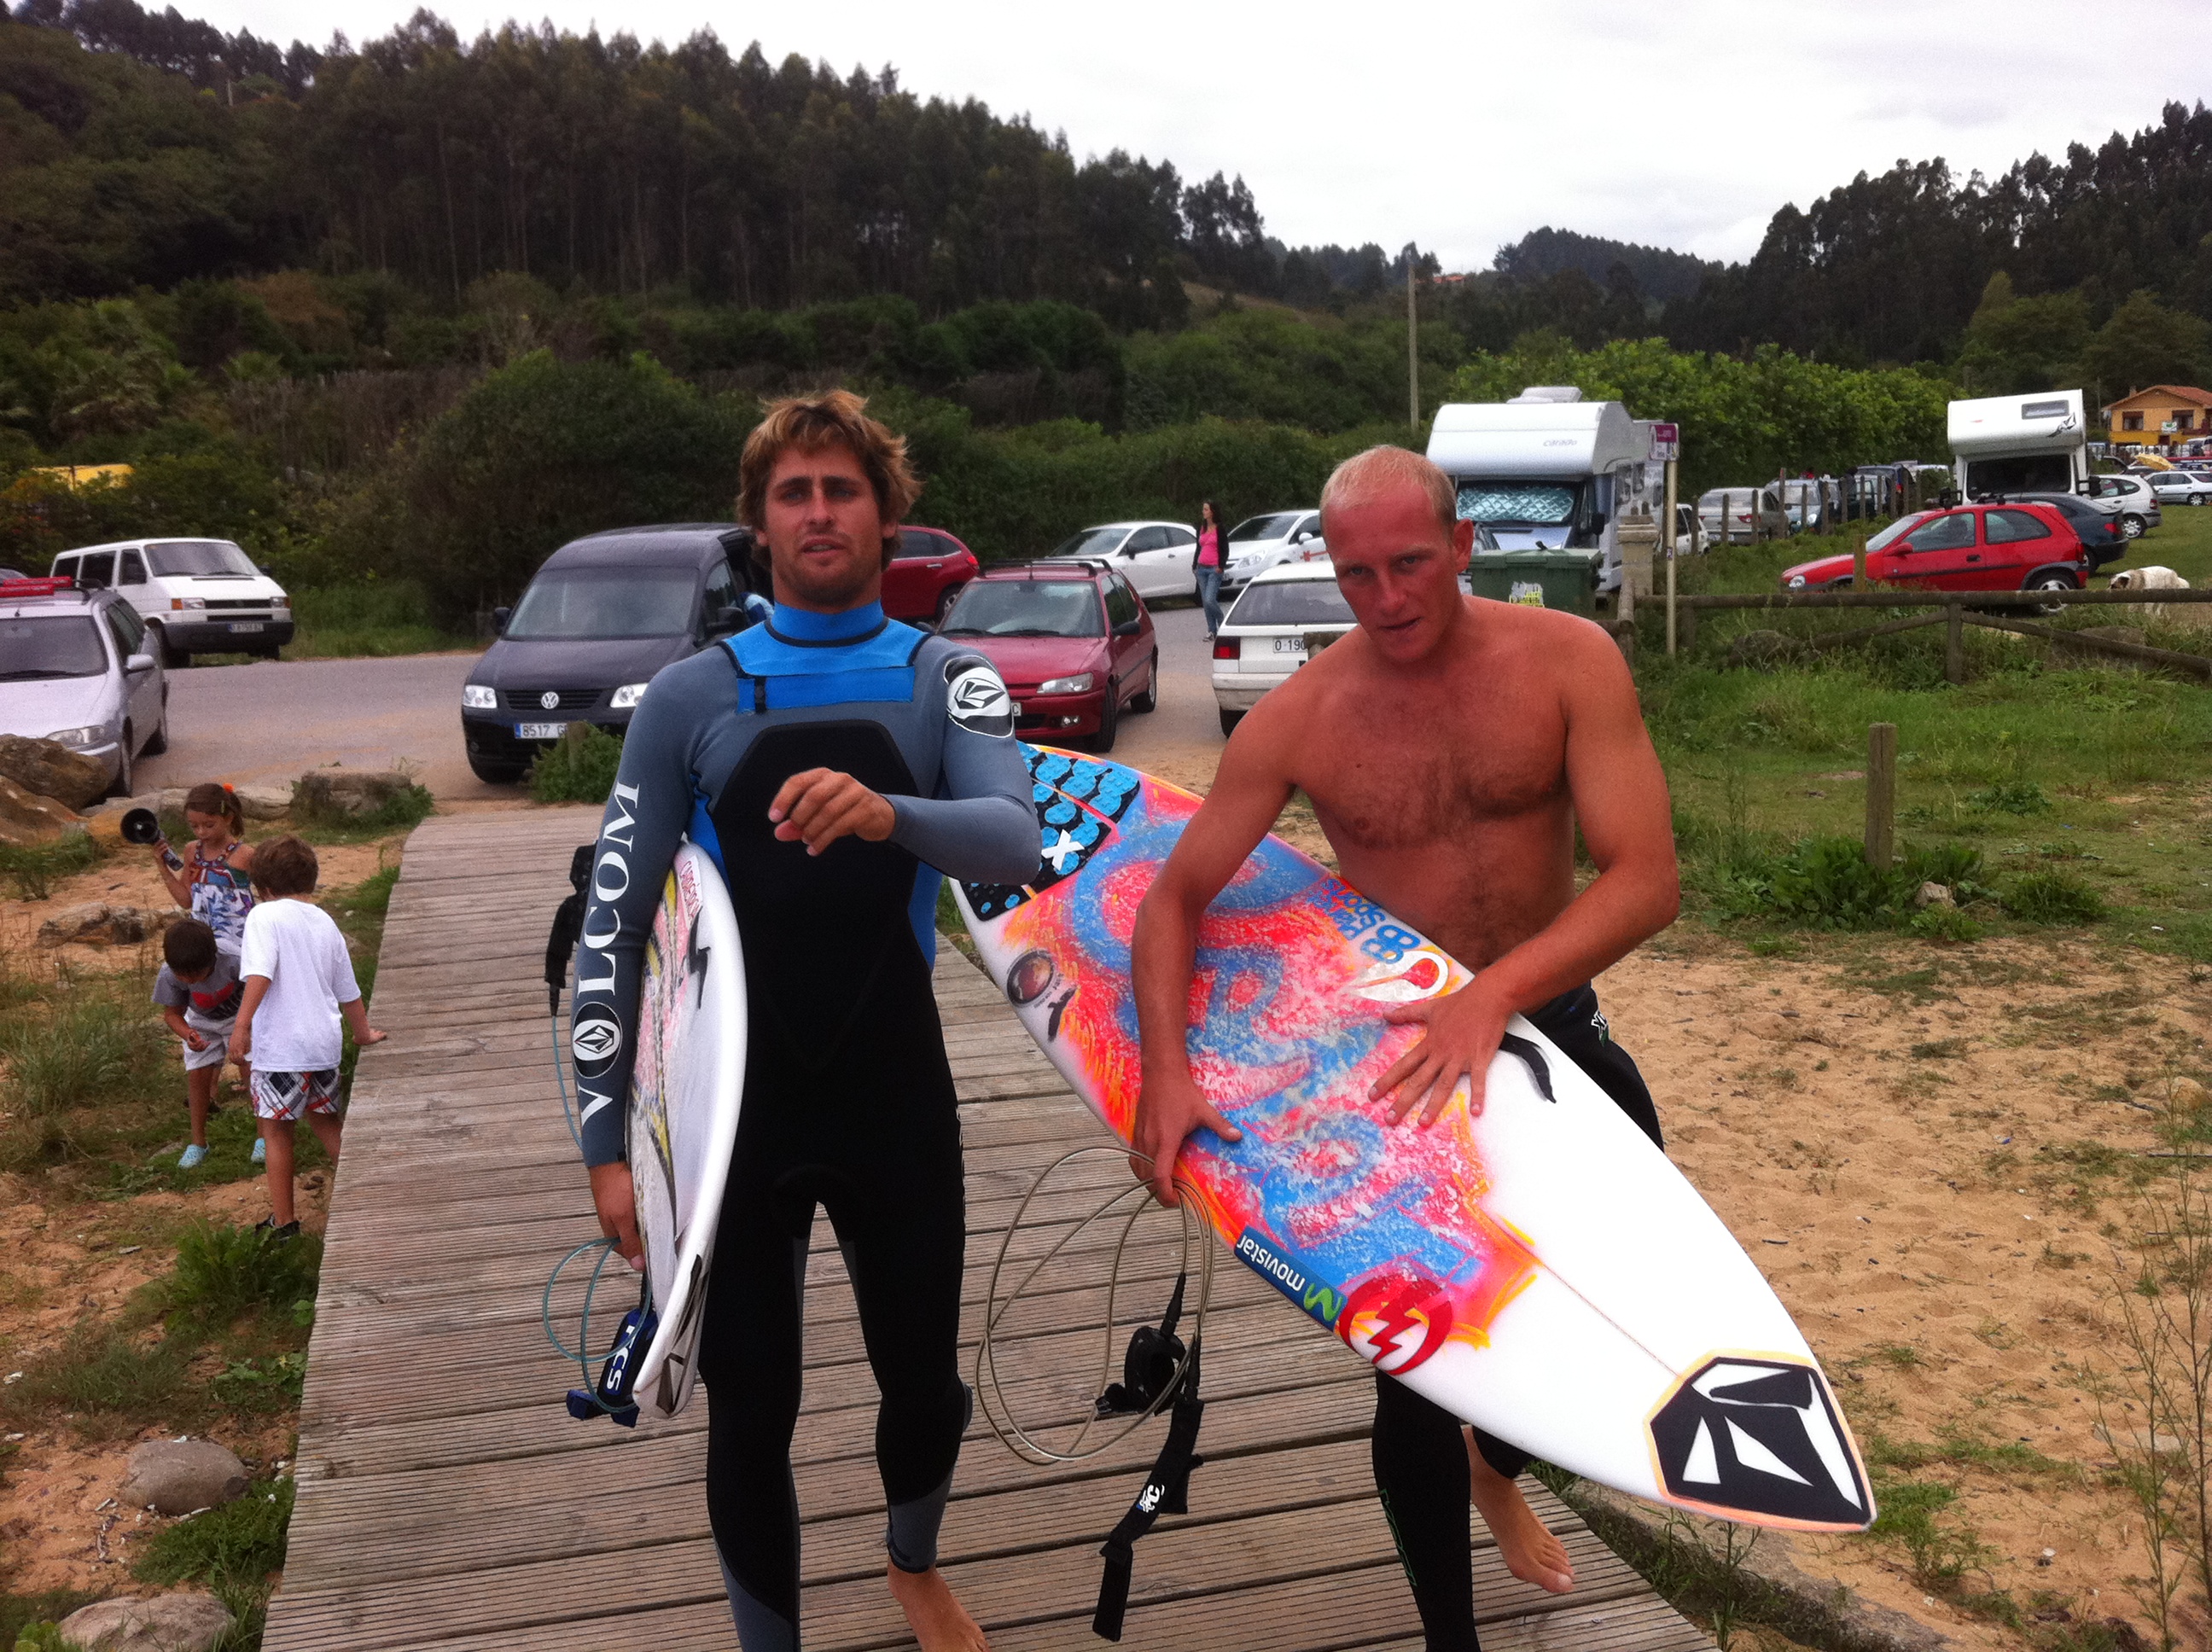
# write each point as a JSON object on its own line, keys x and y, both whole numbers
{"x": 833, "y": 763}
{"x": 1452, "y": 746}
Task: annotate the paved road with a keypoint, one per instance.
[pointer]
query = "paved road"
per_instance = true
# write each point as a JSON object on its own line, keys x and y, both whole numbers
{"x": 271, "y": 720}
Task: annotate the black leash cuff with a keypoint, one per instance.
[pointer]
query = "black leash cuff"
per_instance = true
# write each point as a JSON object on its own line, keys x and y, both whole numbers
{"x": 1166, "y": 1491}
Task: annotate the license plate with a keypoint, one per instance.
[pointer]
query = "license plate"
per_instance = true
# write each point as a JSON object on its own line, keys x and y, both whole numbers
{"x": 239, "y": 627}
{"x": 539, "y": 730}
{"x": 1290, "y": 644}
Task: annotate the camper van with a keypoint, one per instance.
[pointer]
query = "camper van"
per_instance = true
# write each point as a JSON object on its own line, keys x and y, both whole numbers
{"x": 2006, "y": 445}
{"x": 1546, "y": 471}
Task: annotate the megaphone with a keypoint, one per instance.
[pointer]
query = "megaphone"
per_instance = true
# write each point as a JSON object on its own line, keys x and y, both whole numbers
{"x": 141, "y": 826}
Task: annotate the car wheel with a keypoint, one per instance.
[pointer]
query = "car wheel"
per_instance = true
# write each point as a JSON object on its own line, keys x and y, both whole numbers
{"x": 1229, "y": 721}
{"x": 160, "y": 743}
{"x": 1109, "y": 721}
{"x": 2052, "y": 582}
{"x": 123, "y": 765}
{"x": 1150, "y": 699}
{"x": 2132, "y": 525}
{"x": 951, "y": 594}
{"x": 493, "y": 773}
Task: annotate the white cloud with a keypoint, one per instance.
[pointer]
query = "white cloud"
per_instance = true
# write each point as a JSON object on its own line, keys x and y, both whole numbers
{"x": 1464, "y": 125}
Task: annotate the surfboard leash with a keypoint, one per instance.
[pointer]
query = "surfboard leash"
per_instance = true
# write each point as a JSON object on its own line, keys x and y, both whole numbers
{"x": 607, "y": 1395}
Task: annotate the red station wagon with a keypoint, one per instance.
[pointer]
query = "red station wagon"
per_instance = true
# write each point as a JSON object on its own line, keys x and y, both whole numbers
{"x": 2017, "y": 546}
{"x": 1072, "y": 641}
{"x": 926, "y": 575}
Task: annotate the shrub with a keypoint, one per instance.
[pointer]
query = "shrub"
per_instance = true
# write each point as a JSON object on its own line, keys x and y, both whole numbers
{"x": 33, "y": 869}
{"x": 402, "y": 809}
{"x": 237, "y": 1546}
{"x": 1825, "y": 882}
{"x": 2053, "y": 897}
{"x": 578, "y": 767}
{"x": 2010, "y": 798}
{"x": 223, "y": 1269}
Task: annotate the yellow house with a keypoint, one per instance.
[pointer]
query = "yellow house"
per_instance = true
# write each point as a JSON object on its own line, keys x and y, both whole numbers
{"x": 79, "y": 476}
{"x": 2162, "y": 415}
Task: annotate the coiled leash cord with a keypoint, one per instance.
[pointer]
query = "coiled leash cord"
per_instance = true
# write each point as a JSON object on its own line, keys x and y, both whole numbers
{"x": 1158, "y": 1370}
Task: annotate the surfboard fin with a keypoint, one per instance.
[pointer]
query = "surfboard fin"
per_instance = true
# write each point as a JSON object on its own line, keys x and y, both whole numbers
{"x": 1539, "y": 1071}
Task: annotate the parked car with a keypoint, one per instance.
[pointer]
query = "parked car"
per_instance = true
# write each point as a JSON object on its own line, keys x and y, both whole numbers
{"x": 1262, "y": 638}
{"x": 1072, "y": 641}
{"x": 1968, "y": 548}
{"x": 1259, "y": 543}
{"x": 77, "y": 667}
{"x": 2095, "y": 524}
{"x": 196, "y": 596}
{"x": 1737, "y": 504}
{"x": 1159, "y": 559}
{"x": 2131, "y": 496}
{"x": 598, "y": 619}
{"x": 2180, "y": 487}
{"x": 926, "y": 575}
{"x": 1809, "y": 502}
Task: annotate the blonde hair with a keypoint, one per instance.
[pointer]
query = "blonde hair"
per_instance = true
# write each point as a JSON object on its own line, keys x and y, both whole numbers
{"x": 832, "y": 418}
{"x": 1385, "y": 470}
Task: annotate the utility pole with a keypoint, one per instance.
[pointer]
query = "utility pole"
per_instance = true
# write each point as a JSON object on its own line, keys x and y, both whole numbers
{"x": 1413, "y": 350}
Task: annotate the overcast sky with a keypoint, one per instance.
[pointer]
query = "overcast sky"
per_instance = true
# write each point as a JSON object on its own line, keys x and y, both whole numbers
{"x": 1676, "y": 123}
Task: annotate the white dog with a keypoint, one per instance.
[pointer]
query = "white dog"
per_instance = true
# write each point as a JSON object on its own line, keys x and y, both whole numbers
{"x": 2149, "y": 579}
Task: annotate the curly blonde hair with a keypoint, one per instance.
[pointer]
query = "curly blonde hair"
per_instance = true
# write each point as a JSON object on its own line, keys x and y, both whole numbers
{"x": 830, "y": 419}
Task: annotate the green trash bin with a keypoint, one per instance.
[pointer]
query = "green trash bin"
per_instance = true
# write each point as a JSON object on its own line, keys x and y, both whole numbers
{"x": 1543, "y": 579}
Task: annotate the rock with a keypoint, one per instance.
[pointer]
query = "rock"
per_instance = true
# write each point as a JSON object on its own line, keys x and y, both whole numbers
{"x": 96, "y": 923}
{"x": 263, "y": 802}
{"x": 27, "y": 817}
{"x": 1763, "y": 651}
{"x": 175, "y": 1477}
{"x": 342, "y": 791}
{"x": 51, "y": 770}
{"x": 1933, "y": 895}
{"x": 2187, "y": 1096}
{"x": 154, "y": 1623}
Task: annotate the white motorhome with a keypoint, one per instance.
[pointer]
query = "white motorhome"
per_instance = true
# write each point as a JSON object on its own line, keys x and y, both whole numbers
{"x": 1547, "y": 470}
{"x": 2003, "y": 445}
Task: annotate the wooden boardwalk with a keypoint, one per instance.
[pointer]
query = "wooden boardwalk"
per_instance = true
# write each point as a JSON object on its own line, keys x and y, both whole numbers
{"x": 448, "y": 1501}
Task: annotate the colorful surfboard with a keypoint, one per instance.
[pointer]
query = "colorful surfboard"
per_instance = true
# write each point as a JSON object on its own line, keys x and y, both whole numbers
{"x": 685, "y": 1092}
{"x": 1539, "y": 1269}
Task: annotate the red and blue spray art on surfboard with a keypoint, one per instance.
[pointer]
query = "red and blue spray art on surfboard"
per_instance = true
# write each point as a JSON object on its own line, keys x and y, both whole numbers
{"x": 1377, "y": 1230}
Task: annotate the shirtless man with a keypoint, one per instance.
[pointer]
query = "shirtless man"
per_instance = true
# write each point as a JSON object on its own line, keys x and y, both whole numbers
{"x": 1452, "y": 746}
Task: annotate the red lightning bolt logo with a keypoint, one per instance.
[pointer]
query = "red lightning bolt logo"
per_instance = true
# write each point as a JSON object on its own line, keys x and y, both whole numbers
{"x": 1400, "y": 1307}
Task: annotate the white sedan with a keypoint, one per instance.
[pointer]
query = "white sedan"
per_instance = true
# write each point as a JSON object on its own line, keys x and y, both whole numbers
{"x": 1262, "y": 638}
{"x": 1159, "y": 558}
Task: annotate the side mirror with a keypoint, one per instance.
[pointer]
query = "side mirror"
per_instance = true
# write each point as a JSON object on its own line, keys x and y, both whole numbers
{"x": 499, "y": 618}
{"x": 1302, "y": 536}
{"x": 139, "y": 663}
{"x": 1128, "y": 628}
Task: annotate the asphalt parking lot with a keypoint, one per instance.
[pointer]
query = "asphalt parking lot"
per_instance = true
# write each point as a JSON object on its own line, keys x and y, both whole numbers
{"x": 271, "y": 720}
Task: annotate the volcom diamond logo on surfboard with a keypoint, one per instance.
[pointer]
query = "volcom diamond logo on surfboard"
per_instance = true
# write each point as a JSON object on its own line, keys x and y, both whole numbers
{"x": 1759, "y": 1438}
{"x": 594, "y": 1041}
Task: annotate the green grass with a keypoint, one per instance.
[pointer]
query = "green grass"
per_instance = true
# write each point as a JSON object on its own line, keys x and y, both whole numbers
{"x": 32, "y": 870}
{"x": 223, "y": 1271}
{"x": 238, "y": 1545}
{"x": 580, "y": 768}
{"x": 398, "y": 813}
{"x": 374, "y": 619}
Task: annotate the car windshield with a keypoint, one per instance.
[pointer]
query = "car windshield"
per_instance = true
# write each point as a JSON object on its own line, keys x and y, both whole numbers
{"x": 1276, "y": 525}
{"x": 1897, "y": 530}
{"x": 1290, "y": 602}
{"x": 60, "y": 645}
{"x": 1026, "y": 608}
{"x": 1091, "y": 542}
{"x": 579, "y": 602}
{"x": 1540, "y": 504}
{"x": 174, "y": 559}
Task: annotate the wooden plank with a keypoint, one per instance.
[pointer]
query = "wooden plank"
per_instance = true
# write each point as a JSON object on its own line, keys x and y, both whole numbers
{"x": 463, "y": 1187}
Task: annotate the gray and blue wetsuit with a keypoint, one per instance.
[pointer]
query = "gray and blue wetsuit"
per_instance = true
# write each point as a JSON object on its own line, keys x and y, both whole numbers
{"x": 848, "y": 1099}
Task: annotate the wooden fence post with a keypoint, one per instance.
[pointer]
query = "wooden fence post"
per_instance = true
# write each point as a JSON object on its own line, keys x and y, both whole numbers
{"x": 1881, "y": 795}
{"x": 1858, "y": 564}
{"x": 1671, "y": 549}
{"x": 1955, "y": 643}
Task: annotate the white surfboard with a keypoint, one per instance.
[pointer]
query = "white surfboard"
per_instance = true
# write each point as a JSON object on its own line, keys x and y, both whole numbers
{"x": 685, "y": 1092}
{"x": 1537, "y": 1268}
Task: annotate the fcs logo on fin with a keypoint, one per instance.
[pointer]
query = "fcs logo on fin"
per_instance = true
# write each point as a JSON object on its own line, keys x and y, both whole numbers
{"x": 976, "y": 700}
{"x": 1761, "y": 1438}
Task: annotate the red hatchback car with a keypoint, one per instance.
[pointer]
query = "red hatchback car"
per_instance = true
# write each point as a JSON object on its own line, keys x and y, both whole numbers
{"x": 926, "y": 575}
{"x": 1072, "y": 641}
{"x": 2018, "y": 547}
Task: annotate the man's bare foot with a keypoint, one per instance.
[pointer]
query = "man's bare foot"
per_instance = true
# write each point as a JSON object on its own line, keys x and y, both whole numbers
{"x": 1530, "y": 1551}
{"x": 939, "y": 1622}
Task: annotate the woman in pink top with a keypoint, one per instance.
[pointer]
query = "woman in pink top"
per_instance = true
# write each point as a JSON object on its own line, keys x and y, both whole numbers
{"x": 1212, "y": 552}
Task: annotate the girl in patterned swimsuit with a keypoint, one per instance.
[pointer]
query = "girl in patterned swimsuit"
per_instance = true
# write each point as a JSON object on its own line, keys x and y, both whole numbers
{"x": 215, "y": 881}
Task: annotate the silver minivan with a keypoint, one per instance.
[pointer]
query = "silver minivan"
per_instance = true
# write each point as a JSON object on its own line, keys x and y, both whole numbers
{"x": 76, "y": 667}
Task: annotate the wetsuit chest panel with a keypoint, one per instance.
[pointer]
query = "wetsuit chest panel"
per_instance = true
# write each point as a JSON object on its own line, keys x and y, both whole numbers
{"x": 819, "y": 930}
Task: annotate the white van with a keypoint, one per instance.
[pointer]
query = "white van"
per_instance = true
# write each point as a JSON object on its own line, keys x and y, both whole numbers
{"x": 2006, "y": 445}
{"x": 196, "y": 596}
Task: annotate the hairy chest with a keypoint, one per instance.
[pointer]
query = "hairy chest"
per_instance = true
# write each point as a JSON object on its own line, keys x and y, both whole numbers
{"x": 1424, "y": 774}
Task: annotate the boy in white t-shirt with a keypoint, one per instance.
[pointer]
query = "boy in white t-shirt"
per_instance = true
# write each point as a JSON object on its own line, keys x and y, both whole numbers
{"x": 299, "y": 983}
